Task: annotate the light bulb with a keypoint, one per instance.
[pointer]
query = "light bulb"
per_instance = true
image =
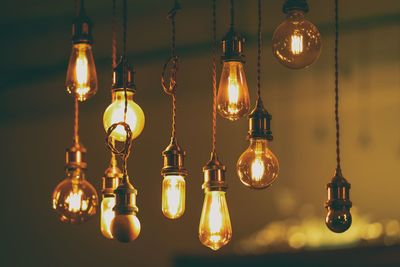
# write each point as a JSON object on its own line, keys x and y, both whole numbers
{"x": 215, "y": 228}
{"x": 173, "y": 196}
{"x": 115, "y": 113}
{"x": 233, "y": 99}
{"x": 106, "y": 216}
{"x": 296, "y": 42}
{"x": 81, "y": 80}
{"x": 75, "y": 199}
{"x": 125, "y": 227}
{"x": 338, "y": 221}
{"x": 258, "y": 167}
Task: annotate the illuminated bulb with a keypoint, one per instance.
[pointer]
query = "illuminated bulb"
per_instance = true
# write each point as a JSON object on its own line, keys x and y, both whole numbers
{"x": 75, "y": 199}
{"x": 215, "y": 228}
{"x": 106, "y": 216}
{"x": 81, "y": 80}
{"x": 125, "y": 227}
{"x": 233, "y": 99}
{"x": 296, "y": 42}
{"x": 258, "y": 167}
{"x": 173, "y": 196}
{"x": 115, "y": 113}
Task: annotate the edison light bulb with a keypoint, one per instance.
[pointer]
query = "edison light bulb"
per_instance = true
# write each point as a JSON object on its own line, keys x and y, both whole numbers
{"x": 233, "y": 99}
{"x": 215, "y": 228}
{"x": 115, "y": 113}
{"x": 173, "y": 196}
{"x": 81, "y": 78}
{"x": 296, "y": 43}
{"x": 125, "y": 227}
{"x": 258, "y": 167}
{"x": 75, "y": 199}
{"x": 107, "y": 214}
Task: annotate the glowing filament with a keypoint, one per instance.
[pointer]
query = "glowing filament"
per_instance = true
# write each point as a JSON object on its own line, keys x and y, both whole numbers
{"x": 75, "y": 202}
{"x": 173, "y": 196}
{"x": 297, "y": 43}
{"x": 82, "y": 72}
{"x": 107, "y": 215}
{"x": 257, "y": 169}
{"x": 233, "y": 94}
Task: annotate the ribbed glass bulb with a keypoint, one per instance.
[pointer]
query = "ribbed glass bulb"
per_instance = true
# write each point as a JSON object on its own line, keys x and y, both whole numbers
{"x": 173, "y": 196}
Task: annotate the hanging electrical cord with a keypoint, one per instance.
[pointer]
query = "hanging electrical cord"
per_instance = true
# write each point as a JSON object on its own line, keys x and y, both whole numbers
{"x": 338, "y": 218}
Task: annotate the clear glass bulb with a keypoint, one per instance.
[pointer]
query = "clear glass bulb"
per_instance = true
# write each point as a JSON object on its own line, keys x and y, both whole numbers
{"x": 74, "y": 198}
{"x": 233, "y": 99}
{"x": 81, "y": 78}
{"x": 215, "y": 228}
{"x": 125, "y": 228}
{"x": 106, "y": 216}
{"x": 115, "y": 113}
{"x": 173, "y": 196}
{"x": 258, "y": 167}
{"x": 296, "y": 42}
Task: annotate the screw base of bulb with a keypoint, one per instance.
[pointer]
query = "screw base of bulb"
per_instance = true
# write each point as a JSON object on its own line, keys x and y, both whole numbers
{"x": 110, "y": 181}
{"x": 82, "y": 28}
{"x": 125, "y": 196}
{"x": 75, "y": 157}
{"x": 214, "y": 175}
{"x": 260, "y": 122}
{"x": 173, "y": 157}
{"x": 232, "y": 46}
{"x": 290, "y": 5}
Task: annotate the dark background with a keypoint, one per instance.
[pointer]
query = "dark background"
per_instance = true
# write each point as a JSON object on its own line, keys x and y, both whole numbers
{"x": 36, "y": 126}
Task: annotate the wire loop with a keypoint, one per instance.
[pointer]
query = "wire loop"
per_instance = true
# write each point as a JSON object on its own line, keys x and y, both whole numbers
{"x": 112, "y": 146}
{"x": 170, "y": 88}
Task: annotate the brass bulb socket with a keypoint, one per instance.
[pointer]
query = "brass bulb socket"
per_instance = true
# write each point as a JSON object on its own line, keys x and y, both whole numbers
{"x": 291, "y": 5}
{"x": 110, "y": 181}
{"x": 173, "y": 160}
{"x": 232, "y": 46}
{"x": 214, "y": 175}
{"x": 82, "y": 28}
{"x": 125, "y": 199}
{"x": 118, "y": 83}
{"x": 75, "y": 157}
{"x": 260, "y": 123}
{"x": 338, "y": 193}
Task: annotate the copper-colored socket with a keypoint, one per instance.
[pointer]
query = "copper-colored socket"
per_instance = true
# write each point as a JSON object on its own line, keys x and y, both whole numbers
{"x": 75, "y": 157}
{"x": 260, "y": 122}
{"x": 338, "y": 193}
{"x": 173, "y": 157}
{"x": 232, "y": 46}
{"x": 125, "y": 196}
{"x": 111, "y": 179}
{"x": 214, "y": 175}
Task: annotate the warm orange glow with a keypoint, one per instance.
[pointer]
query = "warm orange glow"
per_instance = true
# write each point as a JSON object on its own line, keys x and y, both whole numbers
{"x": 75, "y": 202}
{"x": 296, "y": 44}
{"x": 233, "y": 99}
{"x": 115, "y": 113}
{"x": 106, "y": 216}
{"x": 173, "y": 196}
{"x": 215, "y": 228}
{"x": 81, "y": 74}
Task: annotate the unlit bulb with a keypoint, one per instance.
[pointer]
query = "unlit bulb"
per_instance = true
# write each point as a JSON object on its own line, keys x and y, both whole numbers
{"x": 215, "y": 228}
{"x": 75, "y": 199}
{"x": 81, "y": 78}
{"x": 173, "y": 196}
{"x": 258, "y": 167}
{"x": 106, "y": 216}
{"x": 125, "y": 227}
{"x": 233, "y": 99}
{"x": 296, "y": 42}
{"x": 115, "y": 113}
{"x": 338, "y": 221}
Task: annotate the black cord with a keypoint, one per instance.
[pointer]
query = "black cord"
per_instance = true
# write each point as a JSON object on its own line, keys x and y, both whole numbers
{"x": 232, "y": 14}
{"x": 259, "y": 51}
{"x": 337, "y": 84}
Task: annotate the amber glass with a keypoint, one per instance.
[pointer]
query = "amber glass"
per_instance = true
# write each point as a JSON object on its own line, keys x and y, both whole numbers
{"x": 338, "y": 221}
{"x": 233, "y": 99}
{"x": 115, "y": 113}
{"x": 75, "y": 199}
{"x": 173, "y": 196}
{"x": 106, "y": 216}
{"x": 81, "y": 80}
{"x": 258, "y": 167}
{"x": 125, "y": 228}
{"x": 215, "y": 228}
{"x": 296, "y": 43}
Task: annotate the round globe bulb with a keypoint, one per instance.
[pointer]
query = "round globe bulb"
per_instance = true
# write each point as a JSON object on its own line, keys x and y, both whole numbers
{"x": 258, "y": 167}
{"x": 338, "y": 221}
{"x": 115, "y": 113}
{"x": 296, "y": 43}
{"x": 75, "y": 199}
{"x": 125, "y": 228}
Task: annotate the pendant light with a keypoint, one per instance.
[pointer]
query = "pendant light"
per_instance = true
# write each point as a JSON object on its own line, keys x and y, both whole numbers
{"x": 81, "y": 80}
{"x": 338, "y": 218}
{"x": 296, "y": 43}
{"x": 233, "y": 100}
{"x": 173, "y": 171}
{"x": 258, "y": 167}
{"x": 215, "y": 228}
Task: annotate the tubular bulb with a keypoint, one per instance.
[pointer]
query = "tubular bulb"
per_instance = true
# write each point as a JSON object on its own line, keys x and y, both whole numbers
{"x": 81, "y": 80}
{"x": 106, "y": 216}
{"x": 115, "y": 113}
{"x": 296, "y": 43}
{"x": 173, "y": 196}
{"x": 233, "y": 99}
{"x": 258, "y": 167}
{"x": 215, "y": 228}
